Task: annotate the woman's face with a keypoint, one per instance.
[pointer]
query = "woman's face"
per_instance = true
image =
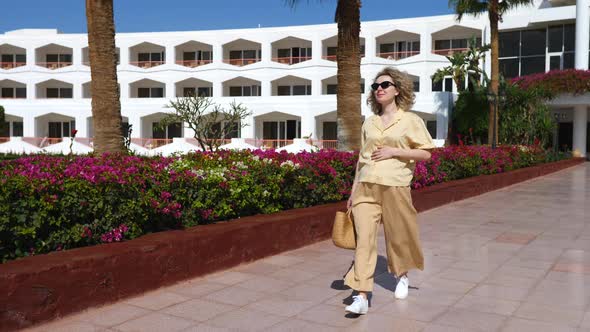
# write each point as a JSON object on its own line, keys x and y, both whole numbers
{"x": 385, "y": 92}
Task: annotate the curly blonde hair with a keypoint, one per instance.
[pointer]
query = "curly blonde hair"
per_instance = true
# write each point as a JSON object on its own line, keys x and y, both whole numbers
{"x": 404, "y": 85}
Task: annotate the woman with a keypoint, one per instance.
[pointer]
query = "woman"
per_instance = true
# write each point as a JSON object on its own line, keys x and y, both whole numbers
{"x": 393, "y": 140}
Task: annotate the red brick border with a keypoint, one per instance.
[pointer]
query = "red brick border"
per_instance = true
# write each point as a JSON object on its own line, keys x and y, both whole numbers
{"x": 40, "y": 288}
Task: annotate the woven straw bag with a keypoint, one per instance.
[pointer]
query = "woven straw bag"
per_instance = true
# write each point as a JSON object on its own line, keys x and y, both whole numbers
{"x": 343, "y": 234}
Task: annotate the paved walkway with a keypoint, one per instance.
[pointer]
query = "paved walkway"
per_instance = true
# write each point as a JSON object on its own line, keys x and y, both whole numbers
{"x": 517, "y": 259}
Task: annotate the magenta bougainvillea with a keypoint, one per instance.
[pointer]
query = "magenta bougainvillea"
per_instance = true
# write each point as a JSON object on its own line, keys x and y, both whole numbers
{"x": 555, "y": 82}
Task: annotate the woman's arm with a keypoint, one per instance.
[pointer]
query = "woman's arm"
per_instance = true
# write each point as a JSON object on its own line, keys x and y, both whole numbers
{"x": 386, "y": 152}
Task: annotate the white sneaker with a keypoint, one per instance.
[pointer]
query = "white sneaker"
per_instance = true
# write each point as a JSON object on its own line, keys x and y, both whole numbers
{"x": 401, "y": 290}
{"x": 360, "y": 306}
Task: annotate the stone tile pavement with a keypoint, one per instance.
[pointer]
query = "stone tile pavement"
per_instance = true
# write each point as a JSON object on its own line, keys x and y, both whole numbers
{"x": 517, "y": 259}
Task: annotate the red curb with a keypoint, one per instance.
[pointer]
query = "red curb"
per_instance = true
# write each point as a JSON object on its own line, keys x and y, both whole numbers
{"x": 45, "y": 287}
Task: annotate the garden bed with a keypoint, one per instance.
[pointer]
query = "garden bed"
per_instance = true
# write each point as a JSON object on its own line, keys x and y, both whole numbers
{"x": 43, "y": 287}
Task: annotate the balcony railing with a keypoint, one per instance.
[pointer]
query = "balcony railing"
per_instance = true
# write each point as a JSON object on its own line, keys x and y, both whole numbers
{"x": 151, "y": 143}
{"x": 13, "y": 97}
{"x": 11, "y": 65}
{"x": 291, "y": 59}
{"x": 4, "y": 139}
{"x": 450, "y": 51}
{"x": 54, "y": 65}
{"x": 193, "y": 63}
{"x": 397, "y": 55}
{"x": 146, "y": 64}
{"x": 42, "y": 141}
{"x": 240, "y": 62}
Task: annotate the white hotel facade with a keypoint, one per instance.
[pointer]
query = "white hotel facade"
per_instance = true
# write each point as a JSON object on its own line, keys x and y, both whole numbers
{"x": 285, "y": 75}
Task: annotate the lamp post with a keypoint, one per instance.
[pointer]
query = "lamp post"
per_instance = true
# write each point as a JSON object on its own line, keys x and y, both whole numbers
{"x": 494, "y": 99}
{"x": 555, "y": 130}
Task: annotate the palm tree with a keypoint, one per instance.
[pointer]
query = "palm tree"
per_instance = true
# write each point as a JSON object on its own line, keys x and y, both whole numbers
{"x": 495, "y": 10}
{"x": 348, "y": 101}
{"x": 457, "y": 70}
{"x": 106, "y": 106}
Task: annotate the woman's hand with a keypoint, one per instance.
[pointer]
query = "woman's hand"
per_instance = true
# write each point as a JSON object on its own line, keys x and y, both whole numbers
{"x": 349, "y": 203}
{"x": 386, "y": 152}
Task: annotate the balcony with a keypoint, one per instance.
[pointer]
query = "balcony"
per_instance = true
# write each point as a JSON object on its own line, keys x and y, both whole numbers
{"x": 10, "y": 89}
{"x": 12, "y": 57}
{"x": 147, "y": 55}
{"x": 291, "y": 86}
{"x": 147, "y": 88}
{"x": 454, "y": 39}
{"x": 241, "y": 52}
{"x": 193, "y": 54}
{"x": 53, "y": 56}
{"x": 194, "y": 87}
{"x": 291, "y": 50}
{"x": 241, "y": 87}
{"x": 54, "y": 89}
{"x": 397, "y": 45}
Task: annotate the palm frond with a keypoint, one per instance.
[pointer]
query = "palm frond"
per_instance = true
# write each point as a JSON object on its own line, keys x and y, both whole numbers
{"x": 506, "y": 5}
{"x": 468, "y": 7}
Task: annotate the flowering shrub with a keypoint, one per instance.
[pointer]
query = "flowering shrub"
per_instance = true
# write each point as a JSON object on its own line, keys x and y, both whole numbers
{"x": 50, "y": 203}
{"x": 556, "y": 82}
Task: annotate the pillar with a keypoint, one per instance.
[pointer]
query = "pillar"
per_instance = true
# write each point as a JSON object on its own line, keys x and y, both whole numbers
{"x": 580, "y": 125}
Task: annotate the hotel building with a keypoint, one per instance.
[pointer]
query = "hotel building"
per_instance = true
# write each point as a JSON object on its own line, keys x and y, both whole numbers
{"x": 285, "y": 75}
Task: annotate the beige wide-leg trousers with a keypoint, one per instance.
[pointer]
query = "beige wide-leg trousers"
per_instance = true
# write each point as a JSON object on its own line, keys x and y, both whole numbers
{"x": 372, "y": 204}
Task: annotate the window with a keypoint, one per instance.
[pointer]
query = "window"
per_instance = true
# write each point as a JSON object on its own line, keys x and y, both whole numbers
{"x": 532, "y": 65}
{"x": 509, "y": 43}
{"x": 150, "y": 92}
{"x": 7, "y": 93}
{"x": 533, "y": 42}
{"x": 146, "y": 59}
{"x": 447, "y": 84}
{"x": 205, "y": 91}
{"x": 330, "y": 130}
{"x": 17, "y": 128}
{"x": 442, "y": 44}
{"x": 5, "y": 132}
{"x": 332, "y": 89}
{"x": 283, "y": 90}
{"x": 7, "y": 58}
{"x": 170, "y": 131}
{"x": 61, "y": 129}
{"x": 244, "y": 91}
{"x": 509, "y": 67}
{"x": 431, "y": 127}
{"x": 555, "y": 35}
{"x": 189, "y": 92}
{"x": 416, "y": 86}
{"x": 20, "y": 92}
{"x": 301, "y": 90}
{"x": 59, "y": 93}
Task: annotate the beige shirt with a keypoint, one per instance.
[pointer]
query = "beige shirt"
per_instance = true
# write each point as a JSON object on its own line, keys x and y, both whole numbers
{"x": 405, "y": 131}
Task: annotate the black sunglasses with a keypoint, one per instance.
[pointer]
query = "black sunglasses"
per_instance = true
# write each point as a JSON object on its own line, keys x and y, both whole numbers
{"x": 384, "y": 85}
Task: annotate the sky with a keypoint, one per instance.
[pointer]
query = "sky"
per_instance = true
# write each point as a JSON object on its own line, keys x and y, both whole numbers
{"x": 68, "y": 16}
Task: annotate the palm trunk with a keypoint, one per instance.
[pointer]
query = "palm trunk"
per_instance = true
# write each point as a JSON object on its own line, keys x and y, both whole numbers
{"x": 106, "y": 106}
{"x": 494, "y": 84}
{"x": 348, "y": 100}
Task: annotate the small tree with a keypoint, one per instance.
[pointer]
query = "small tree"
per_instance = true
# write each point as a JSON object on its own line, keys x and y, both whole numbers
{"x": 462, "y": 64}
{"x": 2, "y": 120}
{"x": 211, "y": 123}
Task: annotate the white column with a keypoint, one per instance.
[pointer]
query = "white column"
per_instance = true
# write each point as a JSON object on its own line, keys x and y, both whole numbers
{"x": 217, "y": 89}
{"x": 217, "y": 54}
{"x": 124, "y": 55}
{"x": 248, "y": 130}
{"x": 442, "y": 124}
{"x": 580, "y": 123}
{"x": 170, "y": 92}
{"x": 77, "y": 90}
{"x": 77, "y": 56}
{"x": 30, "y": 57}
{"x": 170, "y": 55}
{"x": 308, "y": 125}
{"x": 265, "y": 52}
{"x": 316, "y": 87}
{"x": 316, "y": 49}
{"x": 425, "y": 51}
{"x": 582, "y": 31}
{"x": 266, "y": 88}
{"x": 135, "y": 122}
{"x": 29, "y": 125}
{"x": 370, "y": 48}
{"x": 81, "y": 125}
{"x": 31, "y": 90}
